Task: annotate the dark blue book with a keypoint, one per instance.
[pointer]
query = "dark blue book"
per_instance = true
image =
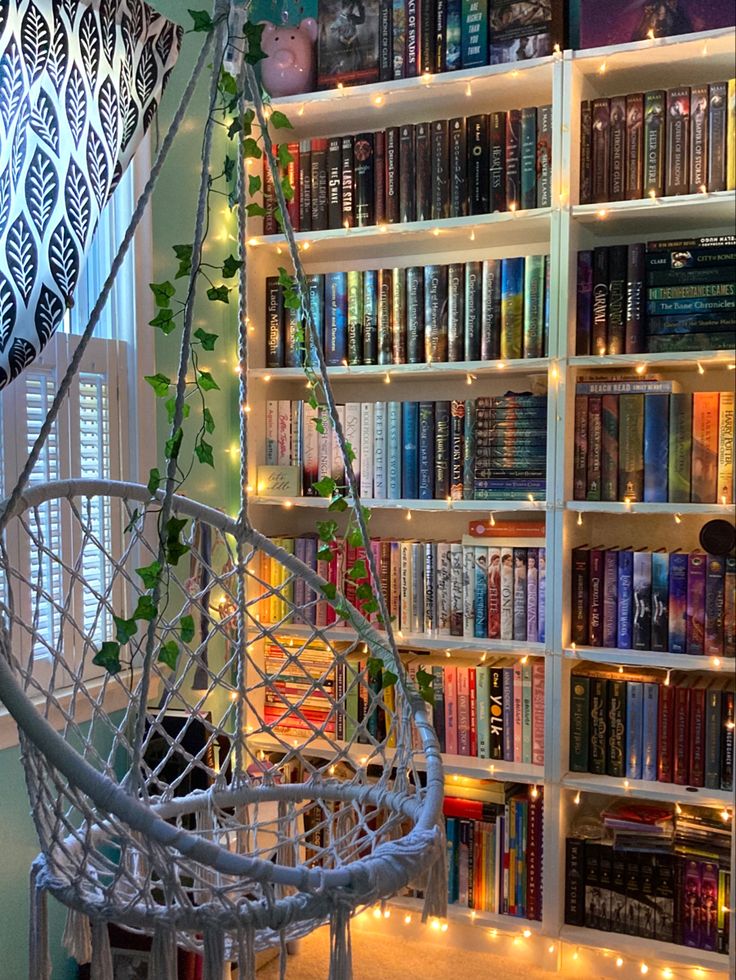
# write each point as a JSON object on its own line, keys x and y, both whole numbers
{"x": 508, "y": 714}
{"x": 660, "y": 600}
{"x": 410, "y": 450}
{"x": 315, "y": 288}
{"x": 442, "y": 450}
{"x": 426, "y": 450}
{"x": 625, "y": 598}
{"x": 529, "y": 157}
{"x": 634, "y": 728}
{"x": 336, "y": 318}
{"x": 453, "y": 54}
{"x": 474, "y": 33}
{"x": 642, "y": 620}
{"x": 512, "y": 308}
{"x": 656, "y": 443}
{"x": 650, "y": 736}
{"x": 370, "y": 316}
{"x": 452, "y": 830}
{"x": 677, "y": 621}
{"x": 294, "y": 345}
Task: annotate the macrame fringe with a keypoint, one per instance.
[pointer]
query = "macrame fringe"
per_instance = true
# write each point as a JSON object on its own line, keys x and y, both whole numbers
{"x": 101, "y": 968}
{"x": 286, "y": 851}
{"x": 163, "y": 955}
{"x": 213, "y": 966}
{"x": 435, "y": 890}
{"x": 39, "y": 963}
{"x": 247, "y": 954}
{"x": 205, "y": 824}
{"x": 341, "y": 952}
{"x": 77, "y": 938}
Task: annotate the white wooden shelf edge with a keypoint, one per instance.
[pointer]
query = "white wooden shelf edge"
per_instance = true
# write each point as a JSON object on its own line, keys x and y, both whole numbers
{"x": 650, "y": 658}
{"x": 641, "y": 507}
{"x": 398, "y": 372}
{"x": 648, "y": 949}
{"x": 472, "y": 506}
{"x": 643, "y": 789}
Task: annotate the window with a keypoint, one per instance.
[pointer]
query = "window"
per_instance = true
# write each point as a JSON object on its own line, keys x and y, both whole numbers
{"x": 94, "y": 437}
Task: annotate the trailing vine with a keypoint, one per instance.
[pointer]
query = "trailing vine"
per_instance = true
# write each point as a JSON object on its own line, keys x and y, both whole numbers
{"x": 170, "y": 312}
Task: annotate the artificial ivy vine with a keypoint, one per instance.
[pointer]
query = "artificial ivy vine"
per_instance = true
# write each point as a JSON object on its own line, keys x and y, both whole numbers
{"x": 169, "y": 308}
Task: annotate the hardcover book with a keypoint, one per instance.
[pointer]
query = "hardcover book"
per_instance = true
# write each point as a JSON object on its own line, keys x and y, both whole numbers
{"x": 458, "y": 168}
{"x": 347, "y": 45}
{"x": 520, "y": 31}
{"x": 619, "y": 22}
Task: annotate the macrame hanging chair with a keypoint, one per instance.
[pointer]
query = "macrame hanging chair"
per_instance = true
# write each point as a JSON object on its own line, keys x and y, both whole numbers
{"x": 198, "y": 835}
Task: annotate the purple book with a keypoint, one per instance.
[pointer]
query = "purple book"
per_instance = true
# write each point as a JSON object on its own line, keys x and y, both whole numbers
{"x": 610, "y": 597}
{"x": 532, "y": 595}
{"x": 709, "y": 906}
{"x": 677, "y": 618}
{"x": 583, "y": 323}
{"x": 714, "y": 596}
{"x": 600, "y": 24}
{"x": 695, "y": 616}
{"x": 625, "y": 599}
{"x": 542, "y": 595}
{"x": 690, "y": 899}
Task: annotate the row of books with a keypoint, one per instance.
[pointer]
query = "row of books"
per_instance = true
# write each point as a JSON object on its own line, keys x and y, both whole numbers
{"x": 654, "y": 600}
{"x": 644, "y": 440}
{"x": 667, "y": 897}
{"x": 484, "y": 449}
{"x": 659, "y": 296}
{"x": 658, "y": 143}
{"x": 436, "y": 588}
{"x": 468, "y": 311}
{"x": 642, "y": 727}
{"x": 381, "y": 40}
{"x": 430, "y": 171}
{"x": 494, "y": 852}
{"x": 489, "y": 711}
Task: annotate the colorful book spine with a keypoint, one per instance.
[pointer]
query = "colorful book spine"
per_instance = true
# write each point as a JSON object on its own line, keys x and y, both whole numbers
{"x": 512, "y": 308}
{"x": 534, "y": 289}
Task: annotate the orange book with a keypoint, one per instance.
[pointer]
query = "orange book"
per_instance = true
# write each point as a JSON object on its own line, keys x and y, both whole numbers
{"x": 705, "y": 447}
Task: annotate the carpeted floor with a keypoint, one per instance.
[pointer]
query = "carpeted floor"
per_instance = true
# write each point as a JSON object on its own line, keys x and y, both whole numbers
{"x": 392, "y": 957}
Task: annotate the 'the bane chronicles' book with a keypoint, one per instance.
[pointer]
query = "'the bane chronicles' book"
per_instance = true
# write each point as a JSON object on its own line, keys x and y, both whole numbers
{"x": 524, "y": 29}
{"x": 348, "y": 42}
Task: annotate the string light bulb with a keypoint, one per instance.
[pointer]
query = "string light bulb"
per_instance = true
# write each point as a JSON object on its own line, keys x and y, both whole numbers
{"x": 580, "y": 518}
{"x": 526, "y": 933}
{"x": 644, "y": 969}
{"x": 678, "y": 519}
{"x": 492, "y": 519}
{"x": 387, "y": 378}
{"x": 576, "y": 798}
{"x": 701, "y": 369}
{"x": 408, "y": 515}
{"x": 619, "y": 962}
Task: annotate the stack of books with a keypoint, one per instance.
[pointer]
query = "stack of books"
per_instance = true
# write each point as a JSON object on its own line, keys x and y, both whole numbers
{"x": 654, "y": 600}
{"x": 674, "y": 295}
{"x": 495, "y": 852}
{"x": 640, "y": 727}
{"x": 448, "y": 168}
{"x": 420, "y": 450}
{"x": 658, "y": 143}
{"x": 463, "y": 312}
{"x": 299, "y": 690}
{"x": 653, "y": 873}
{"x": 645, "y": 440}
{"x": 381, "y": 40}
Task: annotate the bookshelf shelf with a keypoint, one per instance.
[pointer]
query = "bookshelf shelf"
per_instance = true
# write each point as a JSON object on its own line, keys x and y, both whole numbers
{"x": 689, "y": 212}
{"x": 640, "y": 507}
{"x": 636, "y": 658}
{"x": 646, "y": 790}
{"x": 683, "y": 360}
{"x": 413, "y": 372}
{"x": 465, "y": 506}
{"x": 441, "y": 644}
{"x": 646, "y": 949}
{"x": 404, "y": 239}
{"x": 456, "y": 913}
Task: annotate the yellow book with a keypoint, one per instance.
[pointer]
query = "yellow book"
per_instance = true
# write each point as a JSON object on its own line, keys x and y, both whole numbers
{"x": 731, "y": 137}
{"x": 725, "y": 448}
{"x": 389, "y": 699}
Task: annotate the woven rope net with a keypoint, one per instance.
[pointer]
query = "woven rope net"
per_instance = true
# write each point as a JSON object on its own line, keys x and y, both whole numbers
{"x": 263, "y": 804}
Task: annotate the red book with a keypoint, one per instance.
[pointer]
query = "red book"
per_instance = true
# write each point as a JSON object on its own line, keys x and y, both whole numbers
{"x": 681, "y": 730}
{"x": 473, "y": 712}
{"x": 534, "y": 858}
{"x": 665, "y": 734}
{"x": 269, "y": 199}
{"x": 461, "y": 809}
{"x": 451, "y": 719}
{"x": 697, "y": 737}
{"x": 292, "y": 172}
{"x": 538, "y": 712}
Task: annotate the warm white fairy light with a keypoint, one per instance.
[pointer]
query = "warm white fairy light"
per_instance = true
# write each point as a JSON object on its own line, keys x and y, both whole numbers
{"x": 526, "y": 933}
{"x": 602, "y": 213}
{"x": 407, "y": 919}
{"x": 492, "y": 519}
{"x": 472, "y": 234}
{"x": 435, "y": 232}
{"x": 551, "y": 948}
{"x": 576, "y": 798}
{"x": 701, "y": 369}
{"x": 602, "y": 68}
{"x": 678, "y": 519}
{"x": 387, "y": 378}
{"x": 619, "y": 962}
{"x": 469, "y": 90}
{"x": 378, "y": 99}
{"x": 408, "y": 515}
{"x": 580, "y": 518}
{"x": 641, "y": 368}
{"x": 644, "y": 969}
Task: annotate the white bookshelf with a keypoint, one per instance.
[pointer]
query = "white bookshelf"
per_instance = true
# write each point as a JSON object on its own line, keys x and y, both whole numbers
{"x": 563, "y": 80}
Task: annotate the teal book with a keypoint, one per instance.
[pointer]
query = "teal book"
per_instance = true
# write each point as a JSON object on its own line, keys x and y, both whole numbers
{"x": 529, "y": 157}
{"x": 534, "y": 287}
{"x": 680, "y": 447}
{"x": 512, "y": 308}
{"x": 483, "y": 705}
{"x": 475, "y": 33}
{"x": 469, "y": 451}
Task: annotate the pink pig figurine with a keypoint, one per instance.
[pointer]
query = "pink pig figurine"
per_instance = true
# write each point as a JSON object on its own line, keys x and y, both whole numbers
{"x": 289, "y": 68}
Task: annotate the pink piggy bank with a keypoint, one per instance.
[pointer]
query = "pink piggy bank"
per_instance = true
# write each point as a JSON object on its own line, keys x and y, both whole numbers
{"x": 289, "y": 67}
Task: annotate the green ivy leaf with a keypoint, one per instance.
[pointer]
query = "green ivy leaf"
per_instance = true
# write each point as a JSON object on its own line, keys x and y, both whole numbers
{"x": 255, "y": 211}
{"x": 218, "y": 294}
{"x": 154, "y": 481}
{"x": 124, "y": 629}
{"x": 184, "y": 255}
{"x": 254, "y": 184}
{"x": 171, "y": 407}
{"x": 359, "y": 570}
{"x": 355, "y": 537}
{"x": 108, "y": 657}
{"x": 284, "y": 156}
{"x": 350, "y": 452}
{"x": 230, "y": 267}
{"x": 164, "y": 321}
{"x": 208, "y": 421}
{"x": 145, "y": 609}
{"x": 425, "y": 683}
{"x": 159, "y": 382}
{"x": 326, "y": 554}
{"x": 134, "y": 518}
{"x": 202, "y": 21}
{"x": 287, "y": 188}
{"x": 186, "y": 629}
{"x": 325, "y": 487}
{"x": 253, "y": 34}
{"x": 207, "y": 382}
{"x": 228, "y": 168}
{"x": 375, "y": 667}
{"x": 329, "y": 589}
{"x": 251, "y": 149}
{"x": 162, "y": 293}
{"x": 370, "y": 606}
{"x": 364, "y": 592}
{"x": 207, "y": 340}
{"x": 279, "y": 120}
{"x": 204, "y": 453}
{"x": 235, "y": 127}
{"x": 228, "y": 85}
{"x": 175, "y": 549}
{"x": 292, "y": 301}
{"x": 338, "y": 505}
{"x": 327, "y": 530}
{"x": 173, "y": 444}
{"x": 169, "y": 653}
{"x": 150, "y": 574}
{"x": 319, "y": 423}
{"x": 388, "y": 679}
{"x": 285, "y": 279}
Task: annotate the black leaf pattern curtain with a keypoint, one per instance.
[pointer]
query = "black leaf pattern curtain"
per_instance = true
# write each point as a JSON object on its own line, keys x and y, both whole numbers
{"x": 80, "y": 82}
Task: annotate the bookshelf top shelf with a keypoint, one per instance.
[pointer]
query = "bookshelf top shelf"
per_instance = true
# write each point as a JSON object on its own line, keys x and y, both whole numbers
{"x": 645, "y": 658}
{"x": 649, "y": 950}
{"x": 380, "y": 242}
{"x": 640, "y": 507}
{"x": 673, "y": 215}
{"x": 466, "y": 506}
{"x": 676, "y": 359}
{"x": 646, "y": 790}
{"x": 360, "y": 108}
{"x": 415, "y": 372}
